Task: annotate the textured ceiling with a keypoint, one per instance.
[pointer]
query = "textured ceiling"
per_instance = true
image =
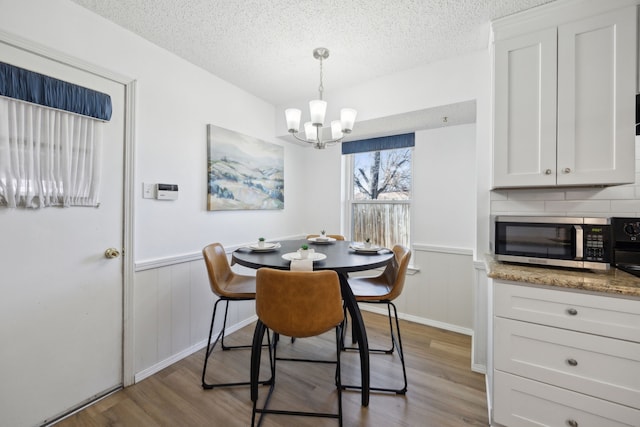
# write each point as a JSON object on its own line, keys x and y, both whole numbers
{"x": 265, "y": 46}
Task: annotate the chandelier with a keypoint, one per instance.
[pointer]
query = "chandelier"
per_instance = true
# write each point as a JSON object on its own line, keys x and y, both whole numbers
{"x": 317, "y": 108}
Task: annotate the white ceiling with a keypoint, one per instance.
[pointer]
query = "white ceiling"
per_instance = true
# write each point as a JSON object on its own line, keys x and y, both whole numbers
{"x": 265, "y": 46}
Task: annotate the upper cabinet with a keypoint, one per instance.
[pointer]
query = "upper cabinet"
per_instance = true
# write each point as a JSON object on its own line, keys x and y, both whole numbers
{"x": 564, "y": 97}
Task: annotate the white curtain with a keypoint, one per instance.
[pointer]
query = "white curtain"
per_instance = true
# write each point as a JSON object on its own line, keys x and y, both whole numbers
{"x": 48, "y": 157}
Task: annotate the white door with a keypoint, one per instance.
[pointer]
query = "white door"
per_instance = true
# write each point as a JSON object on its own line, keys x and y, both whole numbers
{"x": 61, "y": 299}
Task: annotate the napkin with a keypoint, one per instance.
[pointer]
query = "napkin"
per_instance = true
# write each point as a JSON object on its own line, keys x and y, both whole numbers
{"x": 301, "y": 265}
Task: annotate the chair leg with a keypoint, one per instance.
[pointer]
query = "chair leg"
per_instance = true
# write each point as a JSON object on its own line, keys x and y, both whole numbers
{"x": 211, "y": 347}
{"x": 255, "y": 367}
{"x": 396, "y": 343}
{"x": 374, "y": 350}
{"x": 339, "y": 335}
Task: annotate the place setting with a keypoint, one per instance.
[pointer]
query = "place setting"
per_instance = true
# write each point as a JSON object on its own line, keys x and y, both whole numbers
{"x": 303, "y": 258}
{"x": 262, "y": 246}
{"x": 322, "y": 239}
{"x": 304, "y": 253}
{"x": 367, "y": 247}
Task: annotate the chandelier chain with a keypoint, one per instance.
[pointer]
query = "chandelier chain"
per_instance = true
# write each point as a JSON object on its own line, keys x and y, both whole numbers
{"x": 321, "y": 87}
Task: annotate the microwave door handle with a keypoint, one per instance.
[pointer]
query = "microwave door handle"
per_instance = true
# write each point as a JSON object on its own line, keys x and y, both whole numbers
{"x": 579, "y": 241}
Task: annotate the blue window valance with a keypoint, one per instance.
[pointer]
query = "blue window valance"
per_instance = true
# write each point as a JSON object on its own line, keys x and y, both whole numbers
{"x": 29, "y": 86}
{"x": 381, "y": 143}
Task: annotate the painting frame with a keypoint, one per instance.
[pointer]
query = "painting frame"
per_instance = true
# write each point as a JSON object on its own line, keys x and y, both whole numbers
{"x": 243, "y": 172}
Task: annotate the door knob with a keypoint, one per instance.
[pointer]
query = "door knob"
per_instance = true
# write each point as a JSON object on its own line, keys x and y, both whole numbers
{"x": 111, "y": 253}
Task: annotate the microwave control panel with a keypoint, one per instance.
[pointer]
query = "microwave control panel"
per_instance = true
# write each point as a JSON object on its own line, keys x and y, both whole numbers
{"x": 597, "y": 246}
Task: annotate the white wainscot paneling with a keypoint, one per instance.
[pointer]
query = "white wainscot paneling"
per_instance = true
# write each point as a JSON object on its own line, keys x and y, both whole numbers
{"x": 440, "y": 292}
{"x": 173, "y": 305}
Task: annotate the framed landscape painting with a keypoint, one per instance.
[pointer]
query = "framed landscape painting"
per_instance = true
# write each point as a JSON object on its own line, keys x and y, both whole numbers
{"x": 244, "y": 173}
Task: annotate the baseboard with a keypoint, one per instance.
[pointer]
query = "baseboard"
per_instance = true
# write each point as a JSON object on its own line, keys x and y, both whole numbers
{"x": 188, "y": 351}
{"x": 420, "y": 320}
{"x": 480, "y": 369}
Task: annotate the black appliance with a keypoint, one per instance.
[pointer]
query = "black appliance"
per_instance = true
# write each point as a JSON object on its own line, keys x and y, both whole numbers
{"x": 638, "y": 114}
{"x": 556, "y": 241}
{"x": 626, "y": 244}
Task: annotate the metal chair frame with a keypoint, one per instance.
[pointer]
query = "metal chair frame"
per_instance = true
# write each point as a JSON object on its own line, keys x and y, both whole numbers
{"x": 220, "y": 337}
{"x": 258, "y": 339}
{"x": 395, "y": 344}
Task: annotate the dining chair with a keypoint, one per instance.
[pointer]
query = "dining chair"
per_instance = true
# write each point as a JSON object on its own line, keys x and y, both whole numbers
{"x": 333, "y": 236}
{"x": 227, "y": 286}
{"x": 383, "y": 289}
{"x": 298, "y": 304}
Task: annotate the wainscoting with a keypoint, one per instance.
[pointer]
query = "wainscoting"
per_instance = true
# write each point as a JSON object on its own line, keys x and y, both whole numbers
{"x": 173, "y": 302}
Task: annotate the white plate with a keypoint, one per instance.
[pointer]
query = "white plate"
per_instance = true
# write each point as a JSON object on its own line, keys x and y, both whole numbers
{"x": 317, "y": 256}
{"x": 322, "y": 239}
{"x": 267, "y": 247}
{"x": 361, "y": 248}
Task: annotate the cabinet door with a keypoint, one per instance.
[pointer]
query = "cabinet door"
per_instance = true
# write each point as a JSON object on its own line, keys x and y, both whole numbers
{"x": 596, "y": 106}
{"x": 525, "y": 110}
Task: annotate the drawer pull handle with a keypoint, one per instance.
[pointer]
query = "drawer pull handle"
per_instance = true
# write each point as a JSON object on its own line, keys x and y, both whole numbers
{"x": 572, "y": 423}
{"x": 572, "y": 362}
{"x": 572, "y": 311}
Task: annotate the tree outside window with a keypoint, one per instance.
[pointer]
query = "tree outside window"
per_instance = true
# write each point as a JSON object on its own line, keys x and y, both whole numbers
{"x": 381, "y": 196}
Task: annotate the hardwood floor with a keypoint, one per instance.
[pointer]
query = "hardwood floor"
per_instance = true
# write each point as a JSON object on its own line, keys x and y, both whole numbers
{"x": 442, "y": 390}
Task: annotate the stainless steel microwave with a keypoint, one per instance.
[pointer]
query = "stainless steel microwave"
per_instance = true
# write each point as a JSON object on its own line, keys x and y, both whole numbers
{"x": 583, "y": 243}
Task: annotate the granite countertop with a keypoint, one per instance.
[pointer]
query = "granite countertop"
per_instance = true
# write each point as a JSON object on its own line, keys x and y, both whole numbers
{"x": 614, "y": 281}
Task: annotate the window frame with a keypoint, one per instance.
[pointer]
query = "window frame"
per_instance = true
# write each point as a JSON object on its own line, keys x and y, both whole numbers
{"x": 348, "y": 200}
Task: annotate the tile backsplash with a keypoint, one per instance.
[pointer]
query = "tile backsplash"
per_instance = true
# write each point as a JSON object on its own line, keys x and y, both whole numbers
{"x": 619, "y": 200}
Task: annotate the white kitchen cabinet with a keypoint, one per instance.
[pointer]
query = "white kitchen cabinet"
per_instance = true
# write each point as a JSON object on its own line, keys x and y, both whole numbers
{"x": 564, "y": 102}
{"x": 564, "y": 358}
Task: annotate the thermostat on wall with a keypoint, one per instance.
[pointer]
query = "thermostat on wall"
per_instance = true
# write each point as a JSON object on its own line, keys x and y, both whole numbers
{"x": 167, "y": 191}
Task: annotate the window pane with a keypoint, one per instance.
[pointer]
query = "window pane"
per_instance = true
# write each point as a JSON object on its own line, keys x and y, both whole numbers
{"x": 386, "y": 224}
{"x": 382, "y": 175}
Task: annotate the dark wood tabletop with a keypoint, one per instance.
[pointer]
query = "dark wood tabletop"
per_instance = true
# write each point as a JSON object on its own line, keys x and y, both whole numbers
{"x": 340, "y": 257}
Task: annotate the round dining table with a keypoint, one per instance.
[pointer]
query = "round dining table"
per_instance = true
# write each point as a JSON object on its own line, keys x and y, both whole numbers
{"x": 338, "y": 256}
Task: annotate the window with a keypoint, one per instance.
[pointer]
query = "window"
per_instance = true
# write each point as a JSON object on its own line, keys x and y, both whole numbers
{"x": 379, "y": 190}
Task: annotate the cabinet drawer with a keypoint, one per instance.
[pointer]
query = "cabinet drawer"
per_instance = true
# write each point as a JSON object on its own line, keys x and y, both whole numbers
{"x": 597, "y": 366}
{"x": 520, "y": 402}
{"x": 601, "y": 315}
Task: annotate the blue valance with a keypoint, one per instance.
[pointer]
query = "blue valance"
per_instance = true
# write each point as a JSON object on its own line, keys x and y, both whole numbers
{"x": 381, "y": 143}
{"x": 25, "y": 85}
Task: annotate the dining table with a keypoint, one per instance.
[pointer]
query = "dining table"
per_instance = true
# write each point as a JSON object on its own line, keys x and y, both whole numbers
{"x": 343, "y": 257}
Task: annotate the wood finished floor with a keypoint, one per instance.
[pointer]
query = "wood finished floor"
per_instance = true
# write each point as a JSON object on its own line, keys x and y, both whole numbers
{"x": 442, "y": 390}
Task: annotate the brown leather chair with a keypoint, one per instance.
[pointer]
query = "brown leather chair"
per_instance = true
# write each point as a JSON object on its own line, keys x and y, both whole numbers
{"x": 298, "y": 304}
{"x": 227, "y": 286}
{"x": 383, "y": 289}
{"x": 333, "y": 236}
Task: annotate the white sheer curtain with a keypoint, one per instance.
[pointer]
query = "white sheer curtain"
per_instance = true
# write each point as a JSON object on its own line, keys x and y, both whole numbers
{"x": 48, "y": 157}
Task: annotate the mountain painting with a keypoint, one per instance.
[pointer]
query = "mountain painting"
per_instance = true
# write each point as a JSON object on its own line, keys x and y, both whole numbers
{"x": 244, "y": 173}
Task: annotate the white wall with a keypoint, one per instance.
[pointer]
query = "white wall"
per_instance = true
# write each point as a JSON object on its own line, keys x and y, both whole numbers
{"x": 444, "y": 187}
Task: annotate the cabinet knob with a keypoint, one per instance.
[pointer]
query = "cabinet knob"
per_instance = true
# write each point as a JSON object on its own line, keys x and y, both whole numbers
{"x": 547, "y": 172}
{"x": 572, "y": 423}
{"x": 572, "y": 311}
{"x": 572, "y": 362}
{"x": 566, "y": 170}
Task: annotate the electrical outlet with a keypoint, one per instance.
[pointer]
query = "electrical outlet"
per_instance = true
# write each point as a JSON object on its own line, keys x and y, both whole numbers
{"x": 147, "y": 191}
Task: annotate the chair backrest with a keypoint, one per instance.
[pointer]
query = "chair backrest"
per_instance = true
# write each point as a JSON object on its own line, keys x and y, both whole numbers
{"x": 298, "y": 303}
{"x": 334, "y": 236}
{"x": 396, "y": 270}
{"x": 218, "y": 267}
